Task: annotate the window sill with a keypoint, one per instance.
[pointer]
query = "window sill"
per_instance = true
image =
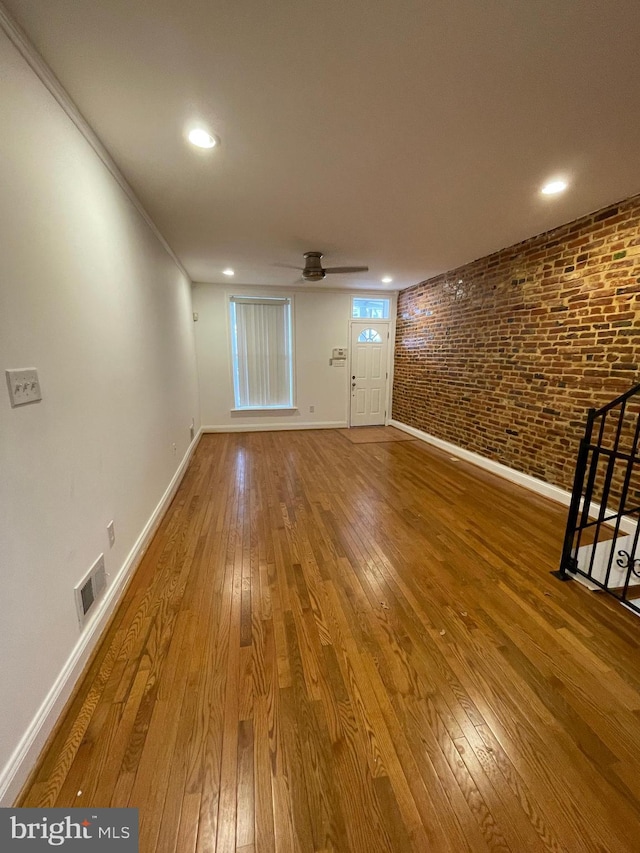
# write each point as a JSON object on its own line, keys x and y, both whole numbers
{"x": 266, "y": 409}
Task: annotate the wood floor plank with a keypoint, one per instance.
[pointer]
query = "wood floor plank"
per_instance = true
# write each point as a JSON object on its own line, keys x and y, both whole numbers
{"x": 188, "y": 827}
{"x": 264, "y": 831}
{"x": 356, "y": 648}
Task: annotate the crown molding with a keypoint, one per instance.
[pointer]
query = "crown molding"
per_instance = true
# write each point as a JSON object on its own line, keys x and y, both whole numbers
{"x": 24, "y": 46}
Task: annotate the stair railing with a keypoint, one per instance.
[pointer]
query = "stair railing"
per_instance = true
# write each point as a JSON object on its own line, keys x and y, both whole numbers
{"x": 603, "y": 523}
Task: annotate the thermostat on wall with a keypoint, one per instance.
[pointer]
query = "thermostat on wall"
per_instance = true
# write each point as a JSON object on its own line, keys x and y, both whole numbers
{"x": 339, "y": 352}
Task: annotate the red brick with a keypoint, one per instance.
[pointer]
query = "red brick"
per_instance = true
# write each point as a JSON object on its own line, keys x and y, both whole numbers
{"x": 508, "y": 364}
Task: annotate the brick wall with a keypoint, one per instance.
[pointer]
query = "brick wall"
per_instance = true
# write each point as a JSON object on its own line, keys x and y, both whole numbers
{"x": 505, "y": 355}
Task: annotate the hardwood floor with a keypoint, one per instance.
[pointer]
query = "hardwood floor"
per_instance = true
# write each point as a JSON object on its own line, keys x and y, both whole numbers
{"x": 340, "y": 647}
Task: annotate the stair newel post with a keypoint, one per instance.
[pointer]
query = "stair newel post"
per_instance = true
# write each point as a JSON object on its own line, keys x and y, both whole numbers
{"x": 576, "y": 496}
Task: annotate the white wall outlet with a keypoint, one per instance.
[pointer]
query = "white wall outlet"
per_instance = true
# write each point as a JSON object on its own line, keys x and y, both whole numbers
{"x": 174, "y": 448}
{"x": 24, "y": 386}
{"x": 312, "y": 409}
{"x": 112, "y": 533}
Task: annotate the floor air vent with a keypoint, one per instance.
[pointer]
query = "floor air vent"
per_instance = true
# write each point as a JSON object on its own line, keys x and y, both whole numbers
{"x": 90, "y": 590}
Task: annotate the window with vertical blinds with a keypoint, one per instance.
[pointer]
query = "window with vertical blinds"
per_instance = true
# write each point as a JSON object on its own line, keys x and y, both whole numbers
{"x": 261, "y": 352}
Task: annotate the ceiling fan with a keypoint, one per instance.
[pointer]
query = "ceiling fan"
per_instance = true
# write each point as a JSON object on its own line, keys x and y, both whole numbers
{"x": 314, "y": 271}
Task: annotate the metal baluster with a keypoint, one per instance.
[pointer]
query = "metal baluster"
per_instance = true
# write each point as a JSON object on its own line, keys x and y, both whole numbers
{"x": 630, "y": 562}
{"x": 576, "y": 494}
{"x": 623, "y": 500}
{"x": 605, "y": 495}
{"x": 595, "y": 459}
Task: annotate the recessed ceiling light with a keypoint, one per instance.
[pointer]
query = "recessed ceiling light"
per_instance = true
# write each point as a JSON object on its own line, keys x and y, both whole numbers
{"x": 228, "y": 271}
{"x": 202, "y": 139}
{"x": 386, "y": 280}
{"x": 554, "y": 187}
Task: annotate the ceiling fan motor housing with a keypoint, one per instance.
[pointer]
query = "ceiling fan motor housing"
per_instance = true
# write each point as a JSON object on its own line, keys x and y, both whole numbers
{"x": 313, "y": 267}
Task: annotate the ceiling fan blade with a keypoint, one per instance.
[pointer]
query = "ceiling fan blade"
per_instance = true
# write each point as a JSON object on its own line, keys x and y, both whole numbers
{"x": 288, "y": 267}
{"x": 346, "y": 269}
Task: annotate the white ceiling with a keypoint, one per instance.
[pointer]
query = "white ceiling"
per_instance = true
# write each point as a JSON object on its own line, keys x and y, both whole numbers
{"x": 409, "y": 135}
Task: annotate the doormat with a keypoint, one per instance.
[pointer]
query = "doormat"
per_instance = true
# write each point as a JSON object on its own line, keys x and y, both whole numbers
{"x": 374, "y": 434}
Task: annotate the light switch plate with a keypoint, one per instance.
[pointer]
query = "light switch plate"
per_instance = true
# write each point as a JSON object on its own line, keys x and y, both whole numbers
{"x": 24, "y": 386}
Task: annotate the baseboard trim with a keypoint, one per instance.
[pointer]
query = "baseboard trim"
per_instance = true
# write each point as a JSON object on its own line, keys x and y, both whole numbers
{"x": 24, "y": 758}
{"x": 533, "y": 484}
{"x": 275, "y": 427}
{"x": 555, "y": 493}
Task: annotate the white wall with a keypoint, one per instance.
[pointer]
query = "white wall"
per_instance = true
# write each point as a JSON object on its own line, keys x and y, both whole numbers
{"x": 89, "y": 297}
{"x": 321, "y": 321}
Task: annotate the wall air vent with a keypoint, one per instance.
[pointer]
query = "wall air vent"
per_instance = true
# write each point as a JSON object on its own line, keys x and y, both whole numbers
{"x": 90, "y": 590}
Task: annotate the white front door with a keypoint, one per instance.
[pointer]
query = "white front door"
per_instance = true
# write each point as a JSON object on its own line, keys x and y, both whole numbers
{"x": 369, "y": 348}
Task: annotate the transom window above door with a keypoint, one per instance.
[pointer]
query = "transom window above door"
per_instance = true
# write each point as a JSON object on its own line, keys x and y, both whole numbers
{"x": 366, "y": 308}
{"x": 369, "y": 336}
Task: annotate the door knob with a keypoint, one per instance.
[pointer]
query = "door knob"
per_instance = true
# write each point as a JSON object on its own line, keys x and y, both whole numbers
{"x": 353, "y": 384}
